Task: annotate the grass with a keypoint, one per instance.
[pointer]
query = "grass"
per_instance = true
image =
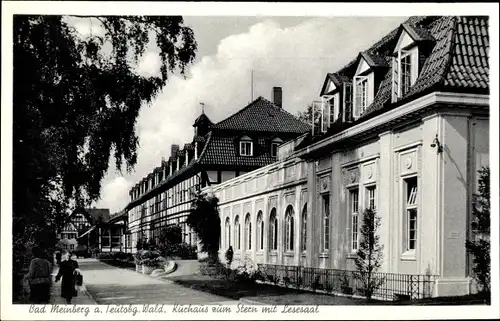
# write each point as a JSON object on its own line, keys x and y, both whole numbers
{"x": 275, "y": 295}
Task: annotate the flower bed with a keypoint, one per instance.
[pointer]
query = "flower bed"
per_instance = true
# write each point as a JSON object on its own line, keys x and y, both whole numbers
{"x": 118, "y": 259}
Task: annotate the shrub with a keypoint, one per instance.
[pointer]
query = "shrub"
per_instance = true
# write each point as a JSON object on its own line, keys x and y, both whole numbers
{"x": 245, "y": 270}
{"x": 229, "y": 255}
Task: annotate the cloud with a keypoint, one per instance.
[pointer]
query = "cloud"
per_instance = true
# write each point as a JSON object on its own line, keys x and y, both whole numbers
{"x": 296, "y": 58}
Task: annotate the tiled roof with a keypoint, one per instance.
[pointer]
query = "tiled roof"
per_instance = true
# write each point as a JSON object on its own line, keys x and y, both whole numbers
{"x": 374, "y": 60}
{"x": 93, "y": 215}
{"x": 261, "y": 115}
{"x": 221, "y": 149}
{"x": 457, "y": 59}
{"x": 202, "y": 119}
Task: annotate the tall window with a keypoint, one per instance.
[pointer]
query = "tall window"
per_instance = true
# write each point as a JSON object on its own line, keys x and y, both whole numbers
{"x": 411, "y": 212}
{"x": 227, "y": 232}
{"x": 360, "y": 95}
{"x": 370, "y": 197}
{"x": 260, "y": 231}
{"x": 289, "y": 232}
{"x": 354, "y": 211}
{"x": 273, "y": 230}
{"x": 405, "y": 73}
{"x": 326, "y": 222}
{"x": 304, "y": 228}
{"x": 331, "y": 111}
{"x": 248, "y": 232}
{"x": 237, "y": 232}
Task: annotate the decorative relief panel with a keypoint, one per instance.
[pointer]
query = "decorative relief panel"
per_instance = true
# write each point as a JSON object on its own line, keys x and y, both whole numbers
{"x": 289, "y": 172}
{"x": 351, "y": 175}
{"x": 324, "y": 184}
{"x": 259, "y": 205}
{"x": 303, "y": 197}
{"x": 236, "y": 210}
{"x": 369, "y": 172}
{"x": 408, "y": 162}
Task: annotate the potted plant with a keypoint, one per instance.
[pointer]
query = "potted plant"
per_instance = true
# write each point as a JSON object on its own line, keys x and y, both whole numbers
{"x": 148, "y": 265}
{"x": 138, "y": 261}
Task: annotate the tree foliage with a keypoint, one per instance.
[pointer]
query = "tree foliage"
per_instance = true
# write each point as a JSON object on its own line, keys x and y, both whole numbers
{"x": 369, "y": 254}
{"x": 76, "y": 99}
{"x": 479, "y": 246}
{"x": 306, "y": 116}
{"x": 204, "y": 219}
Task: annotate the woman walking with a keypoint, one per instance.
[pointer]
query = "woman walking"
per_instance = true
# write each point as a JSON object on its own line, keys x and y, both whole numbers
{"x": 39, "y": 277}
{"x": 66, "y": 271}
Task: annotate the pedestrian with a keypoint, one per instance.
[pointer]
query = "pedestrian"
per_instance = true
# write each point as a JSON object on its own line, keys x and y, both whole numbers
{"x": 58, "y": 257}
{"x": 39, "y": 277}
{"x": 66, "y": 271}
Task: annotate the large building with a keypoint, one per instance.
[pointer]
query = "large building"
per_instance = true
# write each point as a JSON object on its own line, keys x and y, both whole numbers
{"x": 404, "y": 131}
{"x": 241, "y": 143}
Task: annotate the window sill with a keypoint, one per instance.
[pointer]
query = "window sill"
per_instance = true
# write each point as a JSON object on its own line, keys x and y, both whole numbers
{"x": 303, "y": 253}
{"x": 409, "y": 256}
{"x": 288, "y": 253}
{"x": 324, "y": 255}
{"x": 273, "y": 253}
{"x": 259, "y": 252}
{"x": 352, "y": 255}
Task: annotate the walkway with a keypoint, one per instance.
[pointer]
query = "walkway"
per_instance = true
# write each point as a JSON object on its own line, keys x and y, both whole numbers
{"x": 111, "y": 285}
{"x": 55, "y": 293}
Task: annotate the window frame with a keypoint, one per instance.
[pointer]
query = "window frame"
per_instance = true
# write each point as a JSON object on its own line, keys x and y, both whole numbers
{"x": 260, "y": 231}
{"x": 248, "y": 232}
{"x": 237, "y": 232}
{"x": 325, "y": 228}
{"x": 354, "y": 215}
{"x": 289, "y": 228}
{"x": 243, "y": 151}
{"x": 227, "y": 230}
{"x": 273, "y": 230}
{"x": 274, "y": 152}
{"x": 410, "y": 206}
{"x": 358, "y": 111}
{"x": 303, "y": 234}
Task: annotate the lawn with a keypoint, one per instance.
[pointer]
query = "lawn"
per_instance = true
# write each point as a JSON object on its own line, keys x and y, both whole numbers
{"x": 274, "y": 295}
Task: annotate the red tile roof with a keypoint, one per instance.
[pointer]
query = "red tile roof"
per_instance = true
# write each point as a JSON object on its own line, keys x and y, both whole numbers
{"x": 457, "y": 60}
{"x": 261, "y": 115}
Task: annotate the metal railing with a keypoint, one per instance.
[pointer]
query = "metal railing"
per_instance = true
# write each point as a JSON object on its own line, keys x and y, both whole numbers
{"x": 388, "y": 286}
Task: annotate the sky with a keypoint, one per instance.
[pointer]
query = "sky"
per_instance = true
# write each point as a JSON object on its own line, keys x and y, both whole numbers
{"x": 294, "y": 53}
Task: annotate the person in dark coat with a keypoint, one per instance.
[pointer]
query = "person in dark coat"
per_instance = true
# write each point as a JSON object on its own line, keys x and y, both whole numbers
{"x": 66, "y": 271}
{"x": 58, "y": 257}
{"x": 39, "y": 277}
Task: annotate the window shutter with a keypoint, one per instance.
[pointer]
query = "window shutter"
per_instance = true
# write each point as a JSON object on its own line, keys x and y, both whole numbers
{"x": 395, "y": 79}
{"x": 347, "y": 102}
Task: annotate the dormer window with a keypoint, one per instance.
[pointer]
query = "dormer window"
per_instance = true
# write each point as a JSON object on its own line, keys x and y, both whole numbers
{"x": 246, "y": 146}
{"x": 274, "y": 147}
{"x": 405, "y": 61}
{"x": 360, "y": 95}
{"x": 364, "y": 82}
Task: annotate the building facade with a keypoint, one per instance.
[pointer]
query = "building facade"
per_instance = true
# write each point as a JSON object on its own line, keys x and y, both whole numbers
{"x": 404, "y": 131}
{"x": 245, "y": 141}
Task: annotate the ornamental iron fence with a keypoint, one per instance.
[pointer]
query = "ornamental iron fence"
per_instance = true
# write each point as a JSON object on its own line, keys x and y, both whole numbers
{"x": 386, "y": 286}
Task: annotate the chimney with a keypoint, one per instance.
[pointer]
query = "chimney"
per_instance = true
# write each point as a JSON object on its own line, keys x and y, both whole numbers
{"x": 277, "y": 97}
{"x": 174, "y": 149}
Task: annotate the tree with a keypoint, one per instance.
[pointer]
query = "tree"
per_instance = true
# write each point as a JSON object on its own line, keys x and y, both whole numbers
{"x": 369, "y": 254}
{"x": 75, "y": 103}
{"x": 306, "y": 116}
{"x": 170, "y": 235}
{"x": 479, "y": 246}
{"x": 204, "y": 219}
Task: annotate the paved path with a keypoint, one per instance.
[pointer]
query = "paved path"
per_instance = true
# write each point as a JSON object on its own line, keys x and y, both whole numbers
{"x": 112, "y": 285}
{"x": 55, "y": 293}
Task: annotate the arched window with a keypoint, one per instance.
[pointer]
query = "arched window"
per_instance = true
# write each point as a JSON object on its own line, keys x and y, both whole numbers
{"x": 289, "y": 232}
{"x": 237, "y": 233}
{"x": 248, "y": 232}
{"x": 260, "y": 231}
{"x": 227, "y": 233}
{"x": 273, "y": 230}
{"x": 304, "y": 228}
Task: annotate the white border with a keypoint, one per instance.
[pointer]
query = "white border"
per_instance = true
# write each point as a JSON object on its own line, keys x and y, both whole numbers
{"x": 244, "y": 9}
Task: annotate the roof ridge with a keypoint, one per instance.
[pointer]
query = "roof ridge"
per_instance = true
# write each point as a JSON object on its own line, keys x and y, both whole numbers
{"x": 209, "y": 138}
{"x": 238, "y": 112}
{"x": 285, "y": 111}
{"x": 451, "y": 52}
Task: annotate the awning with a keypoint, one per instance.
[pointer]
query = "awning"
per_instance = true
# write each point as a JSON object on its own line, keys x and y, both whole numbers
{"x": 90, "y": 230}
